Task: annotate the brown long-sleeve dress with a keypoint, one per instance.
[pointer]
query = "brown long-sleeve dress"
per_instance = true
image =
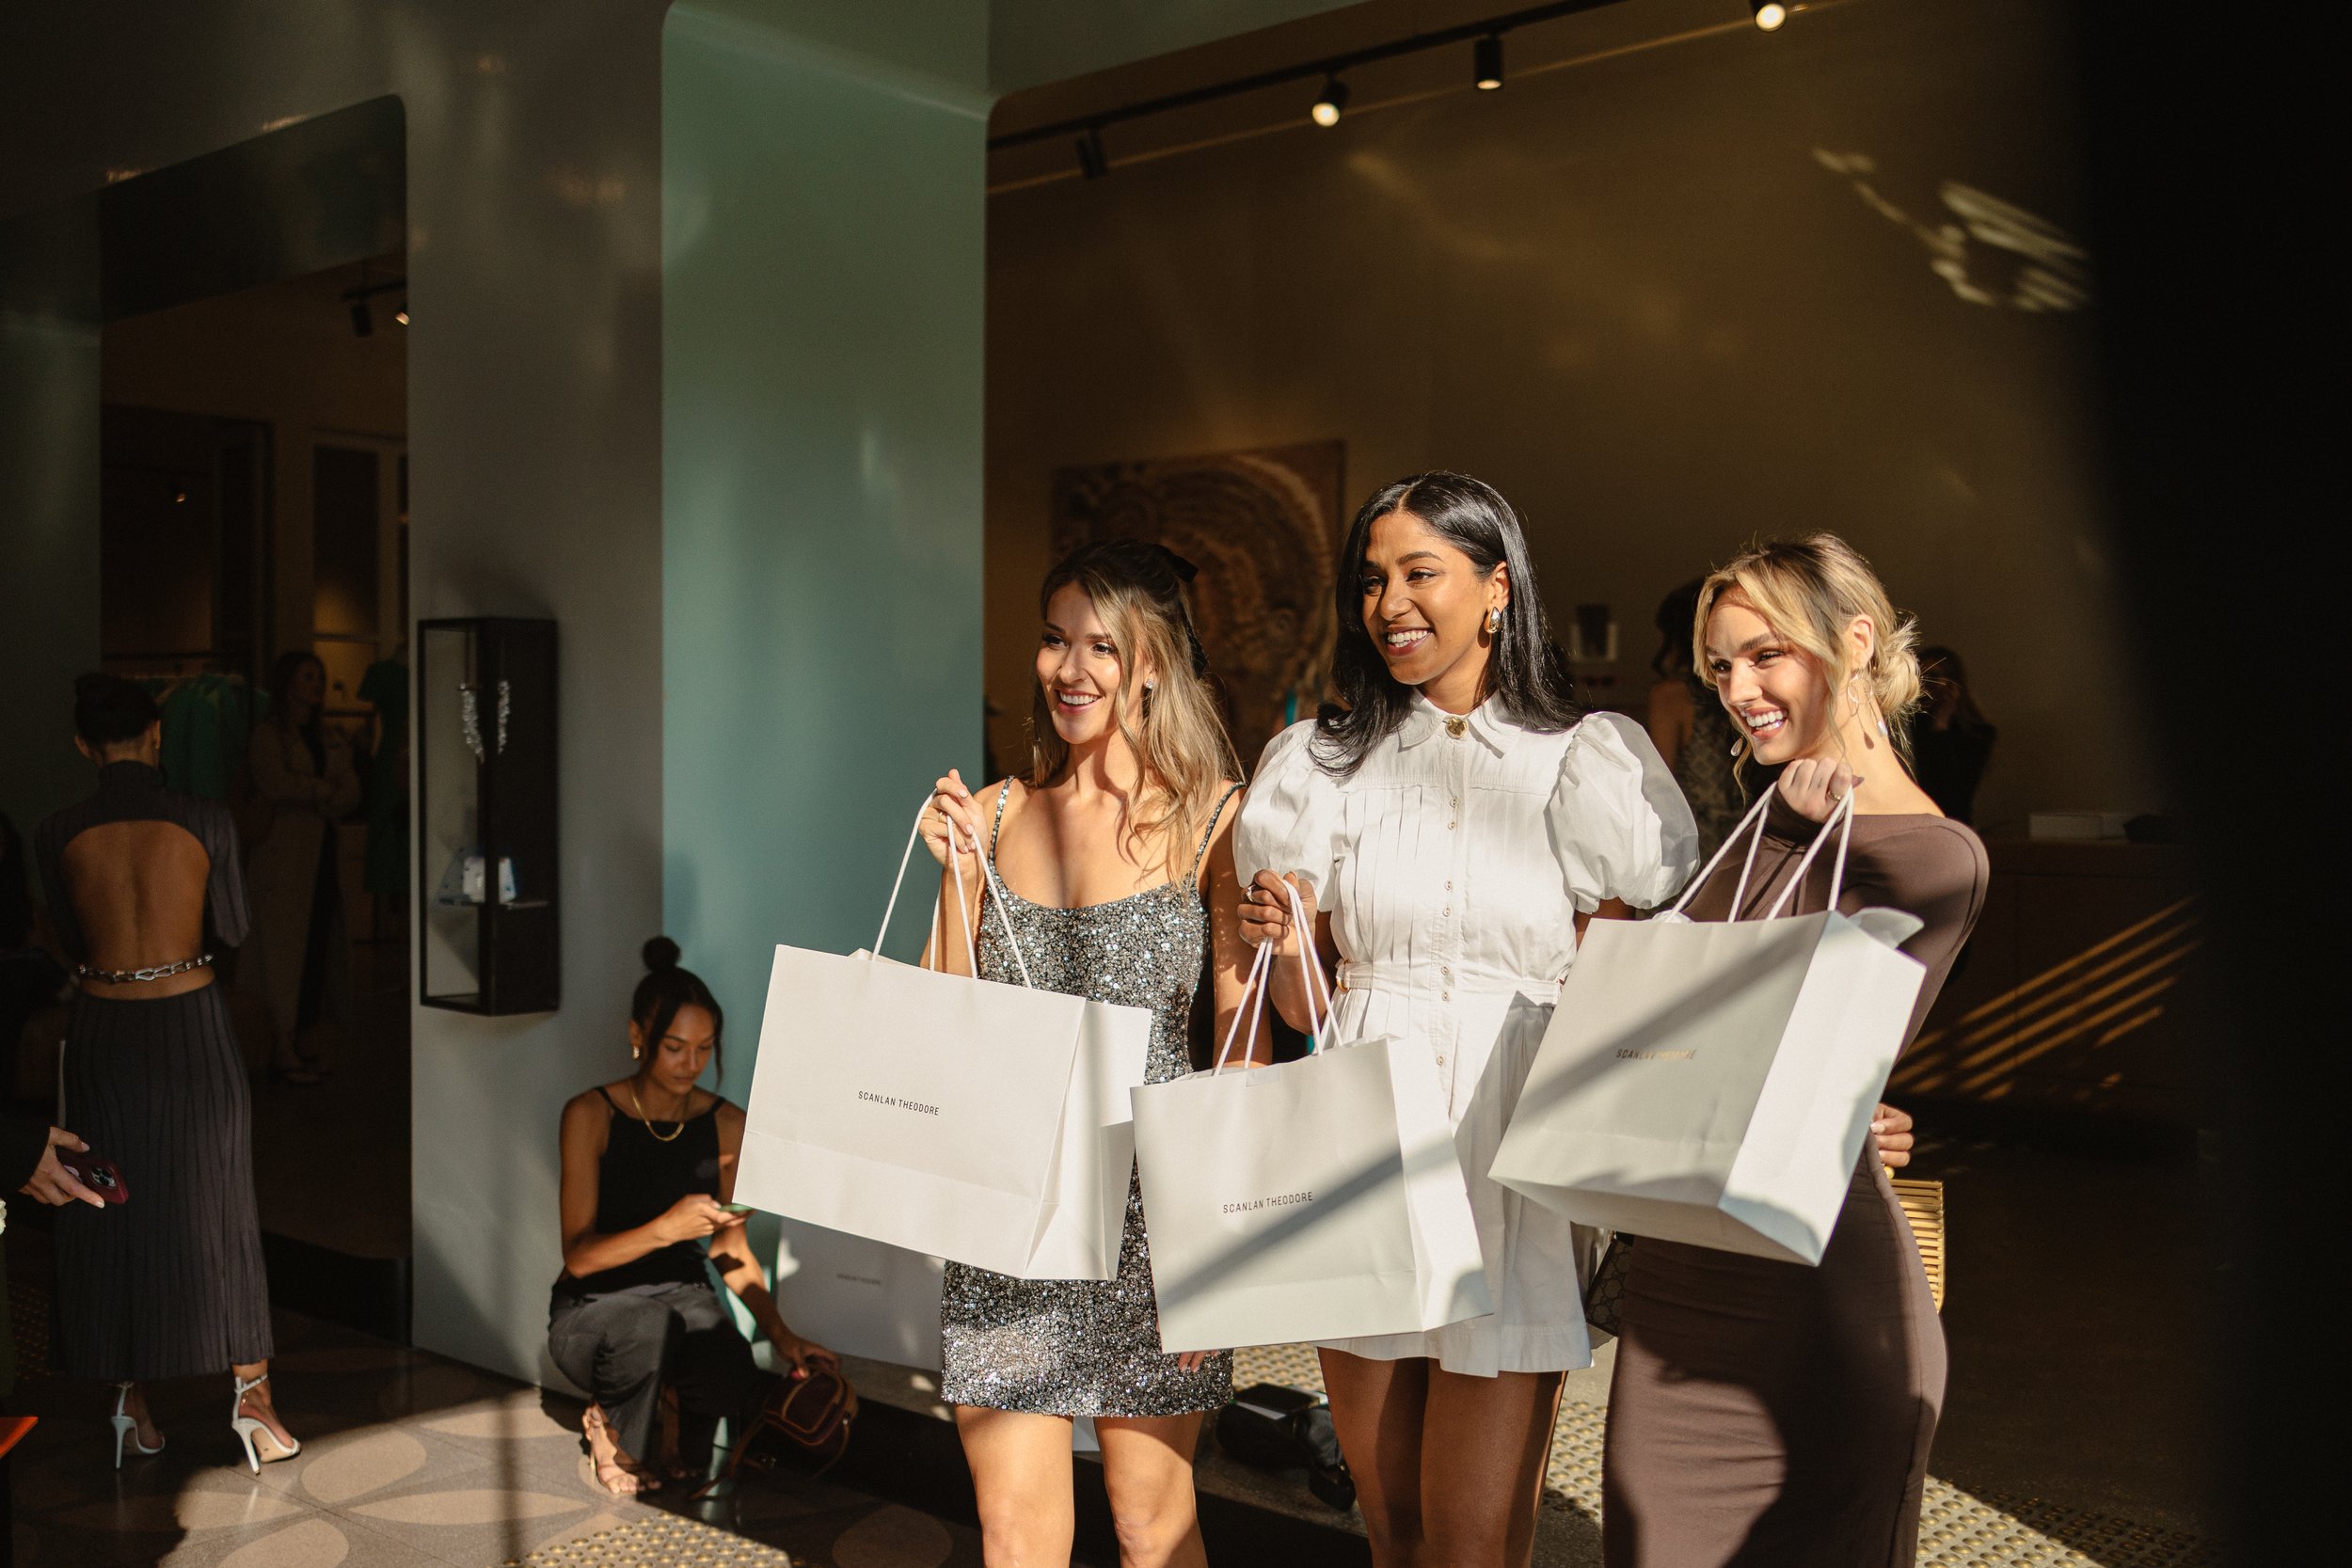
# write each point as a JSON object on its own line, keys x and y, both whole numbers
{"x": 1765, "y": 1413}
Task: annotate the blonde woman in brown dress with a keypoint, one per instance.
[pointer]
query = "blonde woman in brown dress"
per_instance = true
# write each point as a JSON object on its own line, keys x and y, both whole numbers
{"x": 1762, "y": 1412}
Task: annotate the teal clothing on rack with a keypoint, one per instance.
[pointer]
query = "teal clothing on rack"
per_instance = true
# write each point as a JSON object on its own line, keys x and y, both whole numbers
{"x": 208, "y": 724}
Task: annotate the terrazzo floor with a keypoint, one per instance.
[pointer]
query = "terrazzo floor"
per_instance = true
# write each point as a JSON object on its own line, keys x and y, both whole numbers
{"x": 413, "y": 1461}
{"x": 408, "y": 1461}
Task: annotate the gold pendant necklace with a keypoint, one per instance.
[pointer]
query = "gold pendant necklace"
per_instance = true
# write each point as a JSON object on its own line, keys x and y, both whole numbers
{"x": 640, "y": 1109}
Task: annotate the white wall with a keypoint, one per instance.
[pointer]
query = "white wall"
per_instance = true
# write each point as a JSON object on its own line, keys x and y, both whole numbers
{"x": 1631, "y": 295}
{"x": 533, "y": 407}
{"x": 536, "y": 383}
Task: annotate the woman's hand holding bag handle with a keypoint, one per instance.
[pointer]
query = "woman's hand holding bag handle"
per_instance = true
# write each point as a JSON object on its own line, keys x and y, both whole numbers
{"x": 973, "y": 1120}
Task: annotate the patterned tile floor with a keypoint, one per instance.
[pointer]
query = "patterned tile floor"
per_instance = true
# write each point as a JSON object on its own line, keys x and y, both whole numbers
{"x": 414, "y": 1462}
{"x": 1956, "y": 1530}
{"x": 408, "y": 1461}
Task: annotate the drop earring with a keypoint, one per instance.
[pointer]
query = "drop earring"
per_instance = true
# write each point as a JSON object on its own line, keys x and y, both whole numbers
{"x": 1494, "y": 622}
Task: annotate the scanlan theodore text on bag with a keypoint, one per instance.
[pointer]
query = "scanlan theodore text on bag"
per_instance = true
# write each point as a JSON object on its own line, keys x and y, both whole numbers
{"x": 968, "y": 1119}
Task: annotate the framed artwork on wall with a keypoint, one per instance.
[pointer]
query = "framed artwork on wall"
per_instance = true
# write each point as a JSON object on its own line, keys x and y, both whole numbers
{"x": 1262, "y": 526}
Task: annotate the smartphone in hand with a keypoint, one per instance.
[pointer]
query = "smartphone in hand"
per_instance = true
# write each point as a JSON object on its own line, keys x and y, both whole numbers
{"x": 102, "y": 1177}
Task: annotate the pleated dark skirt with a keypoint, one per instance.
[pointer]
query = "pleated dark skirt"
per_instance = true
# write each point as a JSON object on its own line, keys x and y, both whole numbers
{"x": 1765, "y": 1414}
{"x": 170, "y": 1284}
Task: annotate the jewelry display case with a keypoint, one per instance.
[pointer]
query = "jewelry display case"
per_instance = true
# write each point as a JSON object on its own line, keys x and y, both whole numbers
{"x": 486, "y": 815}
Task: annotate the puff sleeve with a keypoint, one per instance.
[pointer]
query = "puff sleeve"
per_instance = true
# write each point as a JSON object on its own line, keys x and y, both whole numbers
{"x": 1290, "y": 817}
{"x": 1618, "y": 824}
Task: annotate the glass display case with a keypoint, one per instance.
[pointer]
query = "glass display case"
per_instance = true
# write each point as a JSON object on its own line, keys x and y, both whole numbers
{"x": 486, "y": 815}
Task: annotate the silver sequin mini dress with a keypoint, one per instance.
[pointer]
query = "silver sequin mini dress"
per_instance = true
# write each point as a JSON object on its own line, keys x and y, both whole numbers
{"x": 1079, "y": 1347}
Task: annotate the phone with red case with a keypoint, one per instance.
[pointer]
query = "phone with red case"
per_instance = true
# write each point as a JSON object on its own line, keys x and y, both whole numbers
{"x": 102, "y": 1177}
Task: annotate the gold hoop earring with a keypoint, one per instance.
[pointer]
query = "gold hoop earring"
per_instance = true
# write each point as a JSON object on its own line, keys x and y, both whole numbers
{"x": 1494, "y": 622}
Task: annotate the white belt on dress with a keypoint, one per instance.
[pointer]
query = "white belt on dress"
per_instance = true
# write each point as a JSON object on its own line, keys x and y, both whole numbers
{"x": 1437, "y": 982}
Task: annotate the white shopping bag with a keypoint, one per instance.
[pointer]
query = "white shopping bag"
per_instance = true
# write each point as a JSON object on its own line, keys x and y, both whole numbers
{"x": 965, "y": 1118}
{"x": 859, "y": 1297}
{"x": 1713, "y": 1082}
{"x": 1317, "y": 1199}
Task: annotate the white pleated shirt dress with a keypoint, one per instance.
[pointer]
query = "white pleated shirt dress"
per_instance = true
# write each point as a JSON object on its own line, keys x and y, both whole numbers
{"x": 1453, "y": 864}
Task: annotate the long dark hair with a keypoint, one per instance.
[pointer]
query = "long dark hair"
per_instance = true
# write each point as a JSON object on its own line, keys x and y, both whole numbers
{"x": 281, "y": 680}
{"x": 1523, "y": 668}
{"x": 1676, "y": 614}
{"x": 1940, "y": 666}
{"x": 664, "y": 991}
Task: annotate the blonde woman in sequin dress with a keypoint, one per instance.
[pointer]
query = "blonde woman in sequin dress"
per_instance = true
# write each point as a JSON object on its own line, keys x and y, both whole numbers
{"x": 1116, "y": 858}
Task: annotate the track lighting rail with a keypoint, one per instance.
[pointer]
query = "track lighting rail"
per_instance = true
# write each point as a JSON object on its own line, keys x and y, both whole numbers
{"x": 1306, "y": 70}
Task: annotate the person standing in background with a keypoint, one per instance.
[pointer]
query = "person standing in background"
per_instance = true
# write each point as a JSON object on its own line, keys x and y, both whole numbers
{"x": 385, "y": 686}
{"x": 1952, "y": 744}
{"x": 1689, "y": 726}
{"x": 304, "y": 784}
{"x": 170, "y": 1284}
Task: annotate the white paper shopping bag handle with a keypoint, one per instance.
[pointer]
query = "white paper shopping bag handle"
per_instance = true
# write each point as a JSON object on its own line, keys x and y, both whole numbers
{"x": 1261, "y": 981}
{"x": 1840, "y": 817}
{"x": 956, "y": 877}
{"x": 1753, "y": 824}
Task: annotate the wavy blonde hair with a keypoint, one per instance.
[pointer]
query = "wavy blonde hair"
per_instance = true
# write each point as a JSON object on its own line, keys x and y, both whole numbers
{"x": 1811, "y": 590}
{"x": 1177, "y": 731}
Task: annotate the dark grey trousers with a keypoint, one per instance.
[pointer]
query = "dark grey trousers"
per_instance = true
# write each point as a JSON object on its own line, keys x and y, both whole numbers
{"x": 623, "y": 1347}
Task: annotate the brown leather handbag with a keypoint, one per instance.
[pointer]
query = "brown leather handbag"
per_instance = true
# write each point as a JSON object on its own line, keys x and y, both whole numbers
{"x": 802, "y": 1422}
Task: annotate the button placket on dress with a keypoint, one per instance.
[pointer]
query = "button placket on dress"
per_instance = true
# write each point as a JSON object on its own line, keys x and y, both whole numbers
{"x": 1456, "y": 768}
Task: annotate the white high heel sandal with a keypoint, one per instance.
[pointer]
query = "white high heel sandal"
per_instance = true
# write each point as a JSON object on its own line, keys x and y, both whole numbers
{"x": 127, "y": 1428}
{"x": 249, "y": 1427}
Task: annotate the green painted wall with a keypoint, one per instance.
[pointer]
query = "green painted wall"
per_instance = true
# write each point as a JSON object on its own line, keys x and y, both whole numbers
{"x": 822, "y": 251}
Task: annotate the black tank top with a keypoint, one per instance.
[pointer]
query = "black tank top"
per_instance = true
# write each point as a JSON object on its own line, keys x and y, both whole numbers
{"x": 637, "y": 1180}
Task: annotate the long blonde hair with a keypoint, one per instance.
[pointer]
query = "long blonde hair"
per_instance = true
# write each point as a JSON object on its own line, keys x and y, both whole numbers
{"x": 1811, "y": 590}
{"x": 1177, "y": 731}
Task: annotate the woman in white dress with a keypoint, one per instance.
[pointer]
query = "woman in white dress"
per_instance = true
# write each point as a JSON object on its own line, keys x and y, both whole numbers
{"x": 1458, "y": 820}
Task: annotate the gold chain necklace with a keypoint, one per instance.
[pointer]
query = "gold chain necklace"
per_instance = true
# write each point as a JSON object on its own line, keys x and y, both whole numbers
{"x": 640, "y": 1109}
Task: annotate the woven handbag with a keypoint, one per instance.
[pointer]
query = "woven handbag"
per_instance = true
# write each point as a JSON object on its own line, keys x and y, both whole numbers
{"x": 1923, "y": 1209}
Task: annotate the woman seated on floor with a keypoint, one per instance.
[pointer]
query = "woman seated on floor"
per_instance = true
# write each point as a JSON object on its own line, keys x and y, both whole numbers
{"x": 648, "y": 1172}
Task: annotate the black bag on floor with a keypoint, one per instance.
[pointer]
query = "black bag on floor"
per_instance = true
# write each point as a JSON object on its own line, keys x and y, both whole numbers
{"x": 1271, "y": 1426}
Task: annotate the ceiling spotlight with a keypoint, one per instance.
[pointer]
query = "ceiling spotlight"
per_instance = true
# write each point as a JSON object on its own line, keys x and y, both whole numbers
{"x": 1326, "y": 110}
{"x": 1487, "y": 62}
{"x": 1091, "y": 163}
{"x": 362, "y": 319}
{"x": 1770, "y": 14}
{"x": 400, "y": 315}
